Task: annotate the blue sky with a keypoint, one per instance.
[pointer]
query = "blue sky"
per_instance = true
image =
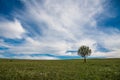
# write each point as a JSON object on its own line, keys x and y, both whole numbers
{"x": 55, "y": 29}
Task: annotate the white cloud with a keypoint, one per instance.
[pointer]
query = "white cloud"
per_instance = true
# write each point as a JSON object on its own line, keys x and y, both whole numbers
{"x": 11, "y": 29}
{"x": 32, "y": 46}
{"x": 111, "y": 54}
{"x": 112, "y": 41}
{"x": 36, "y": 57}
{"x": 67, "y": 25}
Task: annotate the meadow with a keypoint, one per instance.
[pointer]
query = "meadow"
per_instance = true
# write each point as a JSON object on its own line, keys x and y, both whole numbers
{"x": 94, "y": 69}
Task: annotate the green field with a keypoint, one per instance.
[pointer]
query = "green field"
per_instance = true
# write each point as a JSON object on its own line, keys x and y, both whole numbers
{"x": 94, "y": 69}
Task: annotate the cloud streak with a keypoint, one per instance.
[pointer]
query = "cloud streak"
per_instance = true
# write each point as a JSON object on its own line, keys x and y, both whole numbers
{"x": 54, "y": 27}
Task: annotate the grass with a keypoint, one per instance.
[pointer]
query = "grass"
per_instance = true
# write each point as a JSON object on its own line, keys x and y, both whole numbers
{"x": 94, "y": 69}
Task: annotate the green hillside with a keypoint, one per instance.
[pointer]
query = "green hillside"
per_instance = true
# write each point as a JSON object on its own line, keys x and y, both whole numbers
{"x": 94, "y": 69}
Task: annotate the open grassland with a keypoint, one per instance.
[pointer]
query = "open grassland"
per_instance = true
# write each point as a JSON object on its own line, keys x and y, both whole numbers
{"x": 94, "y": 69}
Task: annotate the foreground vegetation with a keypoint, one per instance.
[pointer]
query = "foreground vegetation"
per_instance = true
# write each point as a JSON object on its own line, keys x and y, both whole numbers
{"x": 94, "y": 69}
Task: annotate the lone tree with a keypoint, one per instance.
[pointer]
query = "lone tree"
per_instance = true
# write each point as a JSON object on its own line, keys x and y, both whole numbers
{"x": 84, "y": 51}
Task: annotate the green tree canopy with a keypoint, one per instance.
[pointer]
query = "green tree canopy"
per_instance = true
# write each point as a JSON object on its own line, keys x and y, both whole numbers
{"x": 84, "y": 51}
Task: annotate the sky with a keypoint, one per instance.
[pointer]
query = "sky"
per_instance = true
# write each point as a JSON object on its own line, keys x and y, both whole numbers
{"x": 55, "y": 29}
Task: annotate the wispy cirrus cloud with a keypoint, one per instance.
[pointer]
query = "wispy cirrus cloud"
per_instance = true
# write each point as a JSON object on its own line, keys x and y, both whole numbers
{"x": 55, "y": 27}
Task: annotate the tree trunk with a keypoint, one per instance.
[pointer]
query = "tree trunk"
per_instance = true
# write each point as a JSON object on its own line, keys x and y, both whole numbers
{"x": 85, "y": 60}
